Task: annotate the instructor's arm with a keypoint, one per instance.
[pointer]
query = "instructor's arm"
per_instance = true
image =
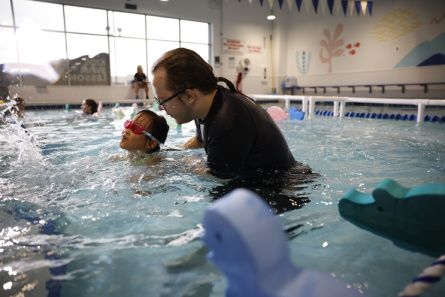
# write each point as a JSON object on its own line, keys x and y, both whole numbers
{"x": 192, "y": 143}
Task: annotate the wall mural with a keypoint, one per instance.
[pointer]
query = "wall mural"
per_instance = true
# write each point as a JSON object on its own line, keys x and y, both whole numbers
{"x": 303, "y": 61}
{"x": 352, "y": 48}
{"x": 331, "y": 46}
{"x": 395, "y": 24}
{"x": 427, "y": 53}
{"x": 437, "y": 20}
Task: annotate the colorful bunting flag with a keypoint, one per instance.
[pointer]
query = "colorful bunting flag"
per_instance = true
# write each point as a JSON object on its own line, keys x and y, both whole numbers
{"x": 344, "y": 5}
{"x": 298, "y": 3}
{"x": 331, "y": 5}
{"x": 364, "y": 5}
{"x": 322, "y": 7}
{"x": 358, "y": 7}
{"x": 351, "y": 6}
{"x": 315, "y": 3}
{"x": 308, "y": 6}
{"x": 289, "y": 3}
{"x": 370, "y": 7}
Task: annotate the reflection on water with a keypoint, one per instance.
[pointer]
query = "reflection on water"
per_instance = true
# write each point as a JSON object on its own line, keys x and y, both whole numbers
{"x": 282, "y": 190}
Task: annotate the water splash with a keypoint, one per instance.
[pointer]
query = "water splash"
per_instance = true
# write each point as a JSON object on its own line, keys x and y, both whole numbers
{"x": 20, "y": 143}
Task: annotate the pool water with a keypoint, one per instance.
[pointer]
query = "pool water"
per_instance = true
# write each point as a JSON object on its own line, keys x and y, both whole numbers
{"x": 75, "y": 221}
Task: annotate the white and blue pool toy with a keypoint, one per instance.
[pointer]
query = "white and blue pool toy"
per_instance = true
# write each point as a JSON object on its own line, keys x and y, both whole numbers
{"x": 248, "y": 245}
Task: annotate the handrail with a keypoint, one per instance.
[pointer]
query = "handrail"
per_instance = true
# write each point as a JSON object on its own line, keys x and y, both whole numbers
{"x": 308, "y": 102}
{"x": 383, "y": 86}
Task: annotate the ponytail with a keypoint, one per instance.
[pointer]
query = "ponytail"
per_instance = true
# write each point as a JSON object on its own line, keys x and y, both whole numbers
{"x": 228, "y": 83}
{"x": 232, "y": 87}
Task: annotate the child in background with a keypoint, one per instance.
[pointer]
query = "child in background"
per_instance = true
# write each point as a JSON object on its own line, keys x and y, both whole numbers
{"x": 90, "y": 106}
{"x": 144, "y": 134}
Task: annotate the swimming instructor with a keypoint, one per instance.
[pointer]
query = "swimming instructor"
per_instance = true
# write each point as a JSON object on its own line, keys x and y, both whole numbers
{"x": 237, "y": 134}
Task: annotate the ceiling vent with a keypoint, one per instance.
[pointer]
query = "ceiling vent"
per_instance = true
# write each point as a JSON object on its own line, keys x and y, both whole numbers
{"x": 131, "y": 6}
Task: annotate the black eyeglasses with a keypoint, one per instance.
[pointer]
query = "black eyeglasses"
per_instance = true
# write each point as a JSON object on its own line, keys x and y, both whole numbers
{"x": 162, "y": 102}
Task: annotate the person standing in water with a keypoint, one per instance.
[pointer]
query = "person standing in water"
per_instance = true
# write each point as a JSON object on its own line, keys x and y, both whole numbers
{"x": 237, "y": 134}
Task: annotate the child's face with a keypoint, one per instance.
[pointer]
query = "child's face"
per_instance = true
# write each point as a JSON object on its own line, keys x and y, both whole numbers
{"x": 137, "y": 142}
{"x": 86, "y": 108}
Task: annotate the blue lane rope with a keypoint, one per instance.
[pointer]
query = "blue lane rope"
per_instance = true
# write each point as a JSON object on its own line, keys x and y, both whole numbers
{"x": 385, "y": 116}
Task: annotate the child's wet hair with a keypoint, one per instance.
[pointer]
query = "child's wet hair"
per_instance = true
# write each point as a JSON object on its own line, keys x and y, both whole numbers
{"x": 93, "y": 104}
{"x": 159, "y": 127}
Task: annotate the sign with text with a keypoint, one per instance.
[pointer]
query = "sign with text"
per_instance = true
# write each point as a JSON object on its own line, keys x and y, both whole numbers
{"x": 254, "y": 49}
{"x": 233, "y": 46}
{"x": 86, "y": 71}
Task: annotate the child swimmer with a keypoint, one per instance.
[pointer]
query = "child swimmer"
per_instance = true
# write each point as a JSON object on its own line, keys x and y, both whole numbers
{"x": 144, "y": 134}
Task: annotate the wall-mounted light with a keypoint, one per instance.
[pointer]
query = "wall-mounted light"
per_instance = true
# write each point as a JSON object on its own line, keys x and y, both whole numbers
{"x": 271, "y": 16}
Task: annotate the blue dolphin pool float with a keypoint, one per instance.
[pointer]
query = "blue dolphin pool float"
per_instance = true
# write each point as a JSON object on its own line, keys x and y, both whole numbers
{"x": 248, "y": 245}
{"x": 412, "y": 215}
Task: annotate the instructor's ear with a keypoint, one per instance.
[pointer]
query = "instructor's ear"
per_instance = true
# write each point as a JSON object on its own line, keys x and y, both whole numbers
{"x": 189, "y": 95}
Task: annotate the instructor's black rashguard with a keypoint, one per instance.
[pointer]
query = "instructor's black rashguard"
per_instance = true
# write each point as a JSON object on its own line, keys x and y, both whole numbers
{"x": 239, "y": 137}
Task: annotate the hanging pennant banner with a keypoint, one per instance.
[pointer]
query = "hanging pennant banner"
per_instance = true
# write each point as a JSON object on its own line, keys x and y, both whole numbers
{"x": 337, "y": 7}
{"x": 271, "y": 3}
{"x": 289, "y": 3}
{"x": 344, "y": 6}
{"x": 261, "y": 2}
{"x": 351, "y": 6}
{"x": 331, "y": 5}
{"x": 315, "y": 3}
{"x": 364, "y": 5}
{"x": 280, "y": 2}
{"x": 370, "y": 7}
{"x": 308, "y": 6}
{"x": 322, "y": 8}
{"x": 298, "y": 3}
{"x": 250, "y": 1}
{"x": 358, "y": 7}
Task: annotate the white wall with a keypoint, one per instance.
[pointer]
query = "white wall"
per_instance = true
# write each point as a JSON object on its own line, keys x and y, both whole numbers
{"x": 292, "y": 32}
{"x": 394, "y": 29}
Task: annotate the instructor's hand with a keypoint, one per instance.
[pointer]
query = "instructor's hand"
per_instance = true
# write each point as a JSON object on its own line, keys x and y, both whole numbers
{"x": 192, "y": 143}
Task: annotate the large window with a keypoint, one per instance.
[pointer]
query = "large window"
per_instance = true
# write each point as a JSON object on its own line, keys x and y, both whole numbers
{"x": 85, "y": 20}
{"x": 8, "y": 52}
{"x": 40, "y": 47}
{"x": 162, "y": 28}
{"x": 126, "y": 24}
{"x": 5, "y": 14}
{"x": 42, "y": 16}
{"x": 156, "y": 48}
{"x": 80, "y": 39}
{"x": 126, "y": 55}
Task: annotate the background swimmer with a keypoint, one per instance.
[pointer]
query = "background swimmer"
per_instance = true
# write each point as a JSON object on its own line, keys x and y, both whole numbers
{"x": 90, "y": 106}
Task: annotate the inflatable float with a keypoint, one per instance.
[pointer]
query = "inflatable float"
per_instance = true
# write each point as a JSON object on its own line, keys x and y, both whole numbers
{"x": 413, "y": 215}
{"x": 248, "y": 245}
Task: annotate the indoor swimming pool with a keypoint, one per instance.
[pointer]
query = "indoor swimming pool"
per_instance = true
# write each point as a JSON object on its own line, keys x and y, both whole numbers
{"x": 76, "y": 221}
